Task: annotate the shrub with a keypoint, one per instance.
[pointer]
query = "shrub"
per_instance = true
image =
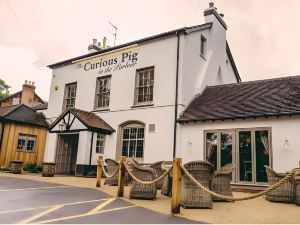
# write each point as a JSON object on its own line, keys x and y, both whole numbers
{"x": 4, "y": 168}
{"x": 32, "y": 168}
{"x": 91, "y": 173}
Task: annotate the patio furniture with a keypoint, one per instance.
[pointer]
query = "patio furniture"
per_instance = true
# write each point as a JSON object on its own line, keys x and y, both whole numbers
{"x": 220, "y": 181}
{"x": 16, "y": 166}
{"x": 191, "y": 195}
{"x": 111, "y": 167}
{"x": 139, "y": 190}
{"x": 166, "y": 188}
{"x": 48, "y": 169}
{"x": 285, "y": 192}
{"x": 297, "y": 190}
{"x": 159, "y": 171}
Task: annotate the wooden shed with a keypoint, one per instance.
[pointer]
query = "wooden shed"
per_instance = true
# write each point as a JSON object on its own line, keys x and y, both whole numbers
{"x": 23, "y": 134}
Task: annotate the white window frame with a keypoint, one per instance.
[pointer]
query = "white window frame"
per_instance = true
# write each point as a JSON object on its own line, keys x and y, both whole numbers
{"x": 100, "y": 143}
{"x": 203, "y": 46}
{"x": 70, "y": 98}
{"x": 105, "y": 95}
{"x": 27, "y": 138}
{"x": 148, "y": 86}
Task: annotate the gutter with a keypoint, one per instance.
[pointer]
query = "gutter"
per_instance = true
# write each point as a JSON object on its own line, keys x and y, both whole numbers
{"x": 176, "y": 96}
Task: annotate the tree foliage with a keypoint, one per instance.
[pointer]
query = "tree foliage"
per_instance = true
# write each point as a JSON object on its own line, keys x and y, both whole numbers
{"x": 4, "y": 89}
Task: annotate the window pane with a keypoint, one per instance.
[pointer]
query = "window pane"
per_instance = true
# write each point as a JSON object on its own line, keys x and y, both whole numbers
{"x": 226, "y": 148}
{"x": 211, "y": 148}
{"x": 262, "y": 154}
{"x": 21, "y": 142}
{"x": 144, "y": 88}
{"x": 125, "y": 148}
{"x": 245, "y": 156}
{"x": 139, "y": 149}
{"x": 126, "y": 133}
{"x": 132, "y": 148}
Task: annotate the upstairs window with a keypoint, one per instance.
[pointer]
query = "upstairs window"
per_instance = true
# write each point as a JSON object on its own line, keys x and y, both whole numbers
{"x": 26, "y": 142}
{"x": 144, "y": 86}
{"x": 70, "y": 96}
{"x": 102, "y": 92}
{"x": 100, "y": 143}
{"x": 203, "y": 46}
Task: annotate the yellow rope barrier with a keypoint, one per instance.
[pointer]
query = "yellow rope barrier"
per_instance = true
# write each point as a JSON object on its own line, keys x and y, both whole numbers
{"x": 106, "y": 174}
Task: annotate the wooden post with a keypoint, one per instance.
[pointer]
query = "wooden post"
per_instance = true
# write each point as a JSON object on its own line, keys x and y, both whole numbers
{"x": 176, "y": 186}
{"x": 121, "y": 177}
{"x": 99, "y": 171}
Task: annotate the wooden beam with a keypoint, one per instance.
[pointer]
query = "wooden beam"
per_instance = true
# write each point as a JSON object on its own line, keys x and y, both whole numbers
{"x": 99, "y": 171}
{"x": 176, "y": 186}
{"x": 121, "y": 177}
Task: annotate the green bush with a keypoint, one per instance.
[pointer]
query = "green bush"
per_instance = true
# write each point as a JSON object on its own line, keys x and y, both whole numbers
{"x": 32, "y": 168}
{"x": 91, "y": 173}
{"x": 4, "y": 168}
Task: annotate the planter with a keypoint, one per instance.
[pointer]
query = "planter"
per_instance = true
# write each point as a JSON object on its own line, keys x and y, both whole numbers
{"x": 16, "y": 166}
{"x": 48, "y": 169}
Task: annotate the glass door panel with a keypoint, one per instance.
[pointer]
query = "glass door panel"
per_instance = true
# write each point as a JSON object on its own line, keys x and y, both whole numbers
{"x": 212, "y": 148}
{"x": 245, "y": 156}
{"x": 262, "y": 154}
{"x": 226, "y": 148}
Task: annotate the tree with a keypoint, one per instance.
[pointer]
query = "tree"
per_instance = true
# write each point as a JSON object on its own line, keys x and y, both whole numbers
{"x": 4, "y": 92}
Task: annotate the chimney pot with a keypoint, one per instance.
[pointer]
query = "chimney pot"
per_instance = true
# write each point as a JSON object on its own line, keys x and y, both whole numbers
{"x": 222, "y": 15}
{"x": 94, "y": 41}
{"x": 25, "y": 81}
{"x": 32, "y": 83}
{"x": 99, "y": 44}
{"x": 104, "y": 42}
{"x": 211, "y": 5}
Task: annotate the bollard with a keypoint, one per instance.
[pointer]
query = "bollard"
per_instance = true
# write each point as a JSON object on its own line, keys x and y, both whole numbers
{"x": 121, "y": 176}
{"x": 99, "y": 171}
{"x": 176, "y": 186}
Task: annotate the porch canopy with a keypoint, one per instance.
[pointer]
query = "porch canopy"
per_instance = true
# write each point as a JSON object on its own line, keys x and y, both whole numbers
{"x": 75, "y": 120}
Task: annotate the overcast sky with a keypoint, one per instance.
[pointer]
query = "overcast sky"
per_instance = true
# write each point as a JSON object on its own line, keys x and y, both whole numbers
{"x": 264, "y": 36}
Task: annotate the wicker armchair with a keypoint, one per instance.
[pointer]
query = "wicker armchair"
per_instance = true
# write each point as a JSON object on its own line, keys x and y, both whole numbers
{"x": 191, "y": 195}
{"x": 112, "y": 165}
{"x": 285, "y": 192}
{"x": 167, "y": 181}
{"x": 159, "y": 171}
{"x": 138, "y": 190}
{"x": 220, "y": 181}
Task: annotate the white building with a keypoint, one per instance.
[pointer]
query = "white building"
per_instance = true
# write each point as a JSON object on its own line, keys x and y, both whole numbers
{"x": 144, "y": 99}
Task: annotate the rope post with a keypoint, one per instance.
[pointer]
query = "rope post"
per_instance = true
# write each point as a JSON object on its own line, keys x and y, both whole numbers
{"x": 176, "y": 186}
{"x": 121, "y": 176}
{"x": 99, "y": 171}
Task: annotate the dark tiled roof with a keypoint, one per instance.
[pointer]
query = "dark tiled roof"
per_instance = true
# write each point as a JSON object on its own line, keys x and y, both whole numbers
{"x": 41, "y": 106}
{"x": 22, "y": 114}
{"x": 89, "y": 119}
{"x": 271, "y": 97}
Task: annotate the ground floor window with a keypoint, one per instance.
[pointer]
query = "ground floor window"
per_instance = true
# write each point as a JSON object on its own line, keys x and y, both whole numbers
{"x": 248, "y": 149}
{"x": 100, "y": 143}
{"x": 26, "y": 142}
{"x": 133, "y": 141}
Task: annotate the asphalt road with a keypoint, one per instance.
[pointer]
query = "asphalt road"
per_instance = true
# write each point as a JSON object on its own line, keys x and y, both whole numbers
{"x": 25, "y": 201}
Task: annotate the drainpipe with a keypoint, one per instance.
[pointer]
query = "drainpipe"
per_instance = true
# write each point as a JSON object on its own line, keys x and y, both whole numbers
{"x": 176, "y": 97}
{"x": 91, "y": 150}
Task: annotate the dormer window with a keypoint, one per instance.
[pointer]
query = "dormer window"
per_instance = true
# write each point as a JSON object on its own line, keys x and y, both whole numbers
{"x": 203, "y": 46}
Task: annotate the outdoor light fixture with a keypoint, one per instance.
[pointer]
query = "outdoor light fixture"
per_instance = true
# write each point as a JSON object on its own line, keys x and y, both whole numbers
{"x": 62, "y": 127}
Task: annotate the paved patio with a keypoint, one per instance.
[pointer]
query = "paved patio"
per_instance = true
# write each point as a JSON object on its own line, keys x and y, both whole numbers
{"x": 251, "y": 211}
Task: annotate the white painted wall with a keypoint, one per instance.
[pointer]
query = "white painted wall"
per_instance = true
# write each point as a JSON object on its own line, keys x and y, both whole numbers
{"x": 194, "y": 74}
{"x": 284, "y": 158}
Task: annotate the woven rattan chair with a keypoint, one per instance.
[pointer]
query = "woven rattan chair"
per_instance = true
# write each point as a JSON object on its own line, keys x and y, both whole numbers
{"x": 167, "y": 181}
{"x": 191, "y": 195}
{"x": 220, "y": 181}
{"x": 285, "y": 192}
{"x": 112, "y": 165}
{"x": 138, "y": 190}
{"x": 159, "y": 171}
{"x": 297, "y": 190}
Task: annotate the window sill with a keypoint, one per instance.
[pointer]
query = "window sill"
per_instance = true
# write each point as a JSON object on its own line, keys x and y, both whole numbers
{"x": 101, "y": 110}
{"x": 25, "y": 151}
{"x": 203, "y": 57}
{"x": 142, "y": 105}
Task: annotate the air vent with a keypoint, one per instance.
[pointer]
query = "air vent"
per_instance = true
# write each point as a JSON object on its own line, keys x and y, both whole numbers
{"x": 151, "y": 127}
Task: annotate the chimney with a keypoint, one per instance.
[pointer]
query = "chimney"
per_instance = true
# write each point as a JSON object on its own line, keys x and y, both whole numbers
{"x": 28, "y": 91}
{"x": 104, "y": 43}
{"x": 212, "y": 16}
{"x": 95, "y": 46}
